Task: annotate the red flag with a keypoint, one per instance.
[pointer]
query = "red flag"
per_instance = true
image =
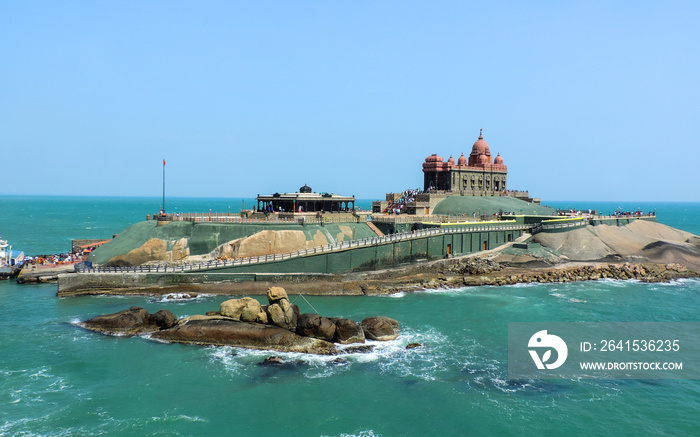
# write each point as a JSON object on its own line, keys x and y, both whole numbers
{"x": 164, "y": 162}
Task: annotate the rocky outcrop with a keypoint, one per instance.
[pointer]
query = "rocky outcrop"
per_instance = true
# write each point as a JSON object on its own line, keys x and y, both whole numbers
{"x": 221, "y": 332}
{"x": 646, "y": 272}
{"x": 154, "y": 249}
{"x": 380, "y": 328}
{"x": 245, "y": 323}
{"x": 135, "y": 320}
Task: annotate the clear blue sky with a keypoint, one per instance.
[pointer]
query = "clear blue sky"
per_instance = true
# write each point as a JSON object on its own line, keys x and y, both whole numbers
{"x": 584, "y": 100}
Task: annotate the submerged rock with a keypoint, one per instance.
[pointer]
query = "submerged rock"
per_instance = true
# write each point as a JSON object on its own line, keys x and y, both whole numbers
{"x": 272, "y": 361}
{"x": 357, "y": 349}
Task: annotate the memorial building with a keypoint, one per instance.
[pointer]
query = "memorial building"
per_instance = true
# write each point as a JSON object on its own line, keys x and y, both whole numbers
{"x": 476, "y": 176}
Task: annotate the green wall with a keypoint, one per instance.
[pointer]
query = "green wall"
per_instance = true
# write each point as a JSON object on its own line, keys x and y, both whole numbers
{"x": 385, "y": 255}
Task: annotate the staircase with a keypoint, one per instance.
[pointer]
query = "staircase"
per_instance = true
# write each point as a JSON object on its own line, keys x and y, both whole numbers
{"x": 375, "y": 229}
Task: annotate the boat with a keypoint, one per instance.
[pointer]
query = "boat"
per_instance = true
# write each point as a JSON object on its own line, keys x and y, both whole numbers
{"x": 10, "y": 261}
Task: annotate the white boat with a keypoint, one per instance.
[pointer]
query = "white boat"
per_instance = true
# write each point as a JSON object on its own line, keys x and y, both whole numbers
{"x": 9, "y": 260}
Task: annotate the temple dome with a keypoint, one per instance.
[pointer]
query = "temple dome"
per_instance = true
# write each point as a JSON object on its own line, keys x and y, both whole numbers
{"x": 483, "y": 159}
{"x": 462, "y": 160}
{"x": 451, "y": 160}
{"x": 498, "y": 160}
{"x": 480, "y": 147}
{"x": 305, "y": 189}
{"x": 434, "y": 158}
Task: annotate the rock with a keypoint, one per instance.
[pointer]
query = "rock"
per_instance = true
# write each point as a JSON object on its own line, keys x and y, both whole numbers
{"x": 283, "y": 314}
{"x": 380, "y": 328}
{"x": 262, "y": 317}
{"x": 202, "y": 317}
{"x": 357, "y": 349}
{"x": 413, "y": 345}
{"x": 135, "y": 320}
{"x": 234, "y": 308}
{"x": 276, "y": 294}
{"x": 164, "y": 319}
{"x": 272, "y": 361}
{"x": 250, "y": 312}
{"x": 228, "y": 332}
{"x": 347, "y": 331}
{"x": 313, "y": 325}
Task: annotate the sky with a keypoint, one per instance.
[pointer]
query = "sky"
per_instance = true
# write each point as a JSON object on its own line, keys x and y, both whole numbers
{"x": 583, "y": 100}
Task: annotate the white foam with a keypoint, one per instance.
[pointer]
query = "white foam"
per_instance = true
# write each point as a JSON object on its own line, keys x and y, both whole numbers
{"x": 181, "y": 297}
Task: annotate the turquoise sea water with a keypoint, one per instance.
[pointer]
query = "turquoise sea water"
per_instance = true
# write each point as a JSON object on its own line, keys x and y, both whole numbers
{"x": 57, "y": 379}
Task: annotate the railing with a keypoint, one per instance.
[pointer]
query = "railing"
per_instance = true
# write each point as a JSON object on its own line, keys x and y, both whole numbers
{"x": 370, "y": 241}
{"x": 562, "y": 225}
{"x": 226, "y": 218}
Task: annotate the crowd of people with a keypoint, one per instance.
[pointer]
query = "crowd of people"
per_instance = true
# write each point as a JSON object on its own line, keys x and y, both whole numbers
{"x": 399, "y": 206}
{"x": 572, "y": 212}
{"x": 55, "y": 260}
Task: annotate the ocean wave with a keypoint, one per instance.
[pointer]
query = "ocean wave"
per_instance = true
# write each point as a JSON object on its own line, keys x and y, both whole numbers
{"x": 180, "y": 297}
{"x": 364, "y": 433}
{"x": 526, "y": 285}
{"x": 390, "y": 357}
{"x": 461, "y": 291}
{"x": 617, "y": 282}
{"x": 677, "y": 282}
{"x": 565, "y": 297}
{"x": 177, "y": 418}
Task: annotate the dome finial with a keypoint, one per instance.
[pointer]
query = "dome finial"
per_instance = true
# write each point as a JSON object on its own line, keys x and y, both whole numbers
{"x": 481, "y": 135}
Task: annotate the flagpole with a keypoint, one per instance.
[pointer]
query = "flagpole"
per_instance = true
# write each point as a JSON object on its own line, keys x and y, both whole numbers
{"x": 163, "y": 206}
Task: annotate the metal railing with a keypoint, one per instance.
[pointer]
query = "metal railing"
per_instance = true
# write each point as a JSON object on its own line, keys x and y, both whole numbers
{"x": 274, "y": 218}
{"x": 370, "y": 241}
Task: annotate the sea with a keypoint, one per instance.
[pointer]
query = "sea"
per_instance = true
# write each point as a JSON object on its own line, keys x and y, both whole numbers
{"x": 57, "y": 379}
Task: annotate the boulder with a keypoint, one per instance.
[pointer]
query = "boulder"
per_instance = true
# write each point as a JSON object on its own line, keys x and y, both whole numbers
{"x": 250, "y": 313}
{"x": 234, "y": 308}
{"x": 262, "y": 317}
{"x": 228, "y": 332}
{"x": 276, "y": 294}
{"x": 283, "y": 314}
{"x": 316, "y": 326}
{"x": 135, "y": 320}
{"x": 347, "y": 331}
{"x": 380, "y": 328}
{"x": 164, "y": 319}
